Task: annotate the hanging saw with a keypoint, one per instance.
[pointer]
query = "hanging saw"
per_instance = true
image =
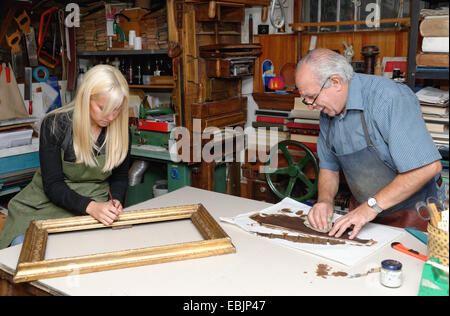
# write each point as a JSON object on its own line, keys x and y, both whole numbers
{"x": 44, "y": 57}
{"x": 13, "y": 41}
{"x": 24, "y": 23}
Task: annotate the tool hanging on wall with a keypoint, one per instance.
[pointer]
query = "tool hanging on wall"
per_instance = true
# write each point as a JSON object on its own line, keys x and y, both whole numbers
{"x": 71, "y": 56}
{"x": 61, "y": 34}
{"x": 28, "y": 94}
{"x": 44, "y": 57}
{"x": 277, "y": 21}
{"x": 24, "y": 23}
{"x": 13, "y": 41}
{"x": 6, "y": 22}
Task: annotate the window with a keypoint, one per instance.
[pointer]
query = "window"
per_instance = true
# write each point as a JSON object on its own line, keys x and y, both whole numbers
{"x": 353, "y": 10}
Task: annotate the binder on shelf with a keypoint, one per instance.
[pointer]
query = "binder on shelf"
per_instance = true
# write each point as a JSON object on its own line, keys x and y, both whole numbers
{"x": 272, "y": 113}
{"x": 306, "y": 121}
{"x": 271, "y": 119}
{"x": 301, "y": 110}
{"x": 300, "y": 125}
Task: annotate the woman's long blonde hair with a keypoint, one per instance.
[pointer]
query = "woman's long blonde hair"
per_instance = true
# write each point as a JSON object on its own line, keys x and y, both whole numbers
{"x": 101, "y": 80}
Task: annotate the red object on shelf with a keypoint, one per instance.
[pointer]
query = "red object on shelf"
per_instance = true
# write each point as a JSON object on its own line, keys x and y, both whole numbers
{"x": 271, "y": 119}
{"x": 276, "y": 83}
{"x": 155, "y": 126}
{"x": 302, "y": 125}
{"x": 311, "y": 146}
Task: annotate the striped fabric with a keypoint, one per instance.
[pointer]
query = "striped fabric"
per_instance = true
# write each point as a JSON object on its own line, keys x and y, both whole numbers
{"x": 394, "y": 122}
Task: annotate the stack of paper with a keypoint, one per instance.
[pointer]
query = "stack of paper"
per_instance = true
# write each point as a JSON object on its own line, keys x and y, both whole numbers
{"x": 434, "y": 104}
{"x": 432, "y": 95}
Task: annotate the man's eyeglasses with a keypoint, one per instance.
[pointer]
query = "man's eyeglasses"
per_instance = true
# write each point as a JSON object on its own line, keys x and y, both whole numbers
{"x": 312, "y": 103}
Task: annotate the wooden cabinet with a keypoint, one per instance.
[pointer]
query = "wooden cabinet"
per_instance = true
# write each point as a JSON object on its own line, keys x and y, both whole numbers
{"x": 215, "y": 100}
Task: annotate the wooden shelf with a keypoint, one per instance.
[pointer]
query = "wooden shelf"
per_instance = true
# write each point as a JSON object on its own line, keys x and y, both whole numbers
{"x": 220, "y": 33}
{"x": 430, "y": 73}
{"x": 153, "y": 86}
{"x": 274, "y": 101}
{"x": 120, "y": 52}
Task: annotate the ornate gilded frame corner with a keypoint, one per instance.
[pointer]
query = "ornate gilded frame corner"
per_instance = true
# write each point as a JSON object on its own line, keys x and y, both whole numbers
{"x": 33, "y": 266}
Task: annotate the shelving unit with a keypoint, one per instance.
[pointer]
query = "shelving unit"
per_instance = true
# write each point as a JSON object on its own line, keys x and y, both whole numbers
{"x": 127, "y": 52}
{"x": 428, "y": 74}
{"x": 166, "y": 86}
{"x": 414, "y": 72}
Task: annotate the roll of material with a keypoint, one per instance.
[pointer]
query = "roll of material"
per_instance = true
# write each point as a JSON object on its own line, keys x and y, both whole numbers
{"x": 138, "y": 43}
{"x": 131, "y": 37}
{"x": 36, "y": 74}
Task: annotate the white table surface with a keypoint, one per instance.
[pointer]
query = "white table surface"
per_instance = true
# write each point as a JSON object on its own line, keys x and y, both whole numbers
{"x": 259, "y": 267}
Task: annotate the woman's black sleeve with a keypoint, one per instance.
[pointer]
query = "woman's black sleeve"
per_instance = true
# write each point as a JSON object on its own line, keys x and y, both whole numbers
{"x": 53, "y": 182}
{"x": 119, "y": 178}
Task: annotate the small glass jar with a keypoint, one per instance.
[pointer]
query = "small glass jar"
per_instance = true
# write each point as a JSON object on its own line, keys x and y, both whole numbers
{"x": 391, "y": 273}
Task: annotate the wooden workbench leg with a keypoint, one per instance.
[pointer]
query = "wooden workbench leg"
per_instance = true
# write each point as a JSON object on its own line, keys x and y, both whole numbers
{"x": 202, "y": 176}
{"x": 235, "y": 178}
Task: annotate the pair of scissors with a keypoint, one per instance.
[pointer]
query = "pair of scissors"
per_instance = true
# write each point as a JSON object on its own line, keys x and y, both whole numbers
{"x": 433, "y": 207}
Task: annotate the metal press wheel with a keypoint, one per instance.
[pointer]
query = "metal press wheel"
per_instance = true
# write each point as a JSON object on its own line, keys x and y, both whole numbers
{"x": 298, "y": 185}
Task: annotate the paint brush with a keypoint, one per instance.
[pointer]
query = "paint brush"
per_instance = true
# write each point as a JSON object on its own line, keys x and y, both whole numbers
{"x": 117, "y": 227}
{"x": 111, "y": 198}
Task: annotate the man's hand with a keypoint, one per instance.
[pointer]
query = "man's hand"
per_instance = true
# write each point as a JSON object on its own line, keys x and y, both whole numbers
{"x": 106, "y": 212}
{"x": 359, "y": 217}
{"x": 319, "y": 214}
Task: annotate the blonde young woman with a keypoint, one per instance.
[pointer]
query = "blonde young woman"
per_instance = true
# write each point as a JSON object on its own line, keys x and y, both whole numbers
{"x": 84, "y": 151}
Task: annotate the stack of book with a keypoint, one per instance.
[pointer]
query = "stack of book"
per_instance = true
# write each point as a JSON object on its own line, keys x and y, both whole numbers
{"x": 305, "y": 125}
{"x": 270, "y": 128}
{"x": 149, "y": 33}
{"x": 154, "y": 30}
{"x": 92, "y": 35}
{"x": 435, "y": 49}
{"x": 434, "y": 104}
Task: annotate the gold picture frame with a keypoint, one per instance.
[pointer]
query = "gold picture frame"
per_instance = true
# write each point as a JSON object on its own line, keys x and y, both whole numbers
{"x": 33, "y": 266}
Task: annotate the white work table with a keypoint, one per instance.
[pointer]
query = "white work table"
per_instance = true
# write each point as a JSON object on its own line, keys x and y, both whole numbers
{"x": 260, "y": 266}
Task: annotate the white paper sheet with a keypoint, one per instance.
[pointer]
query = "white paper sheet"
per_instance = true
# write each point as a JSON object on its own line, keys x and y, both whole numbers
{"x": 348, "y": 254}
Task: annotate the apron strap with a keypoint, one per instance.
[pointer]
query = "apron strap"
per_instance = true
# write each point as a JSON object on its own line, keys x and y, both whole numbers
{"x": 366, "y": 133}
{"x": 364, "y": 126}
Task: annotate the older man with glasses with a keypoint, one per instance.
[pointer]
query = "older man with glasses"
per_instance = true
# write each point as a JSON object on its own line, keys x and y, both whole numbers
{"x": 372, "y": 129}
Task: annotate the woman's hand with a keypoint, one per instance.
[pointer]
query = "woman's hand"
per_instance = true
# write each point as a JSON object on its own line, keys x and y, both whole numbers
{"x": 106, "y": 212}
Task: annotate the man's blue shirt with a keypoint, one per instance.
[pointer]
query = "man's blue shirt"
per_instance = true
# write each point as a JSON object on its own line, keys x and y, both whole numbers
{"x": 394, "y": 122}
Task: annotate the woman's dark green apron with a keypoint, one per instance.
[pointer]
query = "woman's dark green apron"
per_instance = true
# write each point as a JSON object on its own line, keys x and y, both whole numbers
{"x": 33, "y": 204}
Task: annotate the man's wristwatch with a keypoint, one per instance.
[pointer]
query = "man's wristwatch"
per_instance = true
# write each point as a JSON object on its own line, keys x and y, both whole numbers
{"x": 372, "y": 202}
